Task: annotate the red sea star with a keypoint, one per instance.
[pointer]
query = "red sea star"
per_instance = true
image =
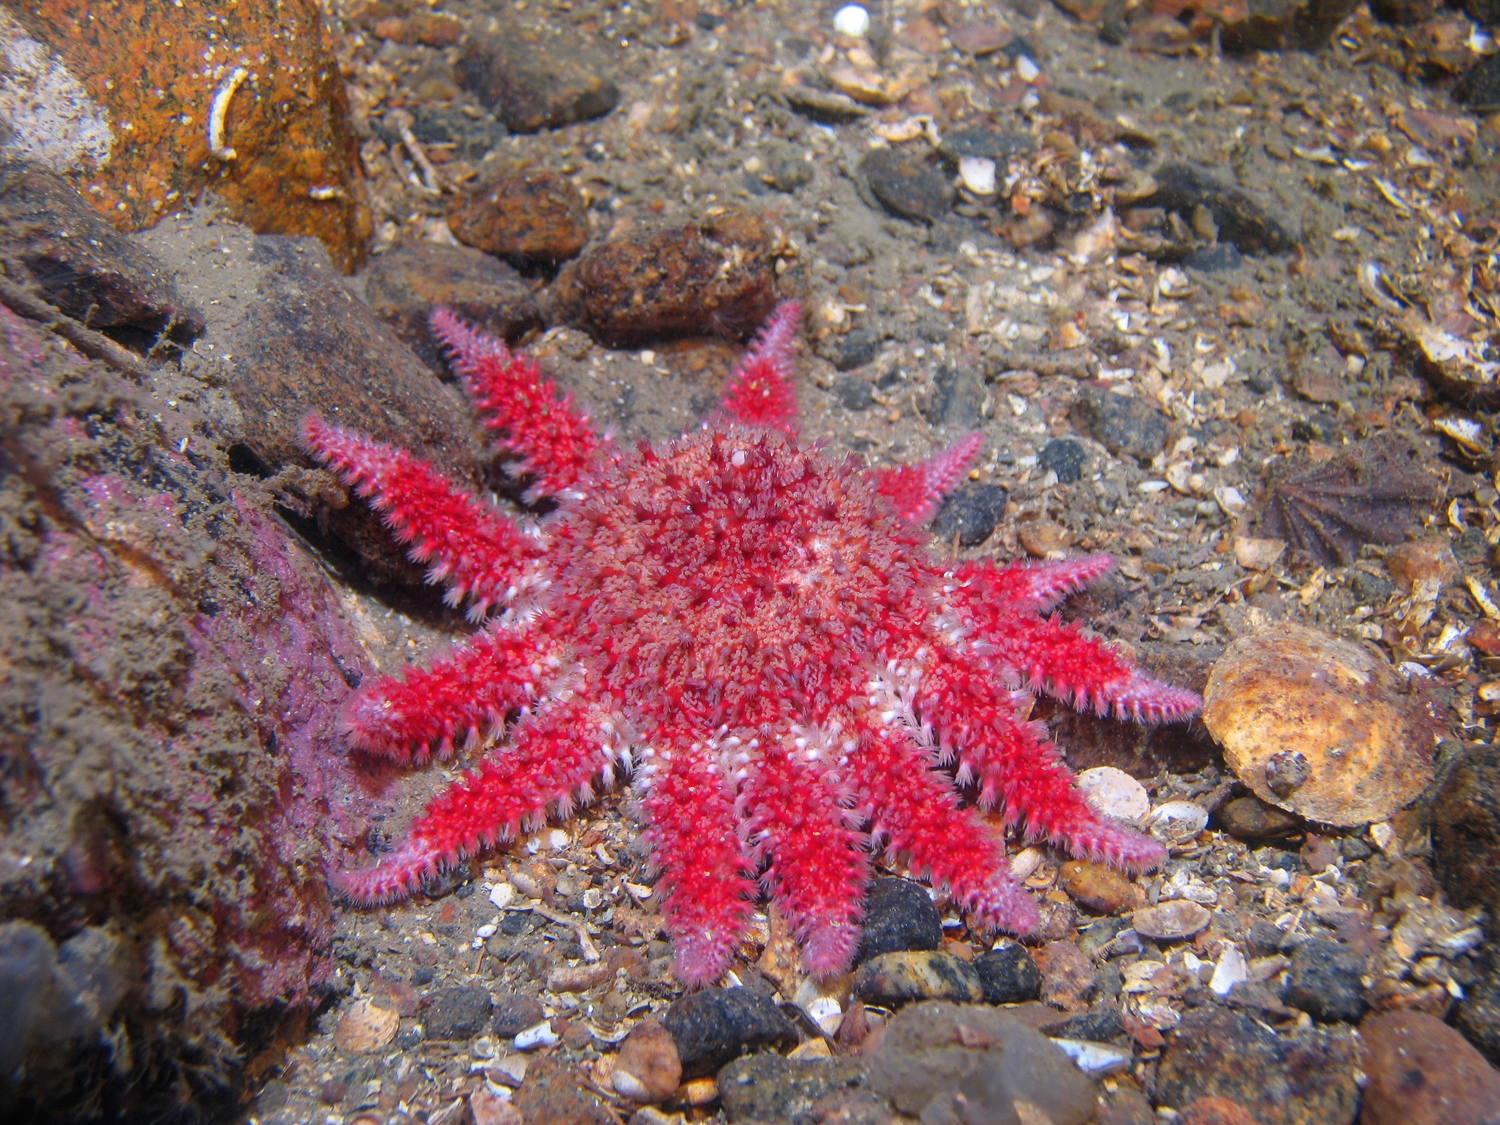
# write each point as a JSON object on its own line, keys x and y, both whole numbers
{"x": 757, "y": 631}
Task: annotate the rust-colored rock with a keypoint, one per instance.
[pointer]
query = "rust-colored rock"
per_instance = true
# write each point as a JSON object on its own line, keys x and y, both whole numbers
{"x": 1422, "y": 1072}
{"x": 1319, "y": 726}
{"x": 406, "y": 284}
{"x": 1068, "y": 976}
{"x": 284, "y": 158}
{"x": 1098, "y": 888}
{"x": 527, "y": 213}
{"x": 716, "y": 277}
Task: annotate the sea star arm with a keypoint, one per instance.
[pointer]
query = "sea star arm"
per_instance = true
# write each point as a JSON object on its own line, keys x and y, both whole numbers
{"x": 1049, "y": 656}
{"x": 1031, "y": 587}
{"x": 554, "y": 755}
{"x": 913, "y": 809}
{"x": 817, "y": 869}
{"x": 472, "y": 549}
{"x": 761, "y": 391}
{"x": 984, "y": 726}
{"x": 554, "y": 441}
{"x": 916, "y": 491}
{"x": 703, "y": 867}
{"x": 464, "y": 697}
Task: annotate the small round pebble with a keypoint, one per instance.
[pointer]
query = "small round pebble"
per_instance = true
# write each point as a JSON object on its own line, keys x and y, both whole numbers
{"x": 718, "y": 1024}
{"x": 1171, "y": 921}
{"x": 1009, "y": 975}
{"x": 851, "y": 20}
{"x": 460, "y": 1012}
{"x": 1099, "y": 888}
{"x": 514, "y": 1014}
{"x": 1250, "y": 818}
{"x": 971, "y": 513}
{"x": 648, "y": 1067}
{"x": 899, "y": 916}
{"x": 1115, "y": 793}
{"x": 1062, "y": 456}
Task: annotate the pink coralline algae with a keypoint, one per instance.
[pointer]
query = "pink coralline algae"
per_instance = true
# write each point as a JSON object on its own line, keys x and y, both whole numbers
{"x": 757, "y": 633}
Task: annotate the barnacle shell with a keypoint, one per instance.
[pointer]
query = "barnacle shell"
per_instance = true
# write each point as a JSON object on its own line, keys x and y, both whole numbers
{"x": 1319, "y": 726}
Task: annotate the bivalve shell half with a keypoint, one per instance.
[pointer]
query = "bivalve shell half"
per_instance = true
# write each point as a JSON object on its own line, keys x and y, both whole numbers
{"x": 1319, "y": 726}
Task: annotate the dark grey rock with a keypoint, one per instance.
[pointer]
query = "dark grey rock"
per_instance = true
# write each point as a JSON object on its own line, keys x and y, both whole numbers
{"x": 958, "y": 397}
{"x": 1009, "y": 975}
{"x": 719, "y": 1024}
{"x": 899, "y": 916}
{"x": 514, "y": 1014}
{"x": 1479, "y": 88}
{"x": 1324, "y": 982}
{"x": 854, "y": 349}
{"x": 771, "y": 1088}
{"x": 444, "y": 124}
{"x": 905, "y": 188}
{"x": 972, "y": 512}
{"x": 1263, "y": 940}
{"x": 1478, "y": 1013}
{"x": 459, "y": 1012}
{"x": 1062, "y": 456}
{"x": 1241, "y": 220}
{"x": 533, "y": 79}
{"x": 1466, "y": 830}
{"x": 982, "y": 142}
{"x": 1098, "y": 1025}
{"x": 894, "y": 979}
{"x": 1127, "y": 427}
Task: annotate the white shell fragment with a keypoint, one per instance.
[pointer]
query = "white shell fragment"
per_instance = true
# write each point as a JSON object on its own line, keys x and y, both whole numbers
{"x": 1094, "y": 1059}
{"x": 1232, "y": 969}
{"x": 851, "y": 20}
{"x": 538, "y": 1035}
{"x": 978, "y": 174}
{"x": 1115, "y": 793}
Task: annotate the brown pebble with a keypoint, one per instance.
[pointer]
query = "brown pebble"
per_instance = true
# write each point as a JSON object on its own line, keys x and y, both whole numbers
{"x": 648, "y": 1067}
{"x": 1097, "y": 887}
{"x": 1423, "y": 1072}
{"x": 1044, "y": 538}
{"x": 527, "y": 213}
{"x": 1251, "y": 818}
{"x": 1428, "y": 559}
{"x": 1068, "y": 975}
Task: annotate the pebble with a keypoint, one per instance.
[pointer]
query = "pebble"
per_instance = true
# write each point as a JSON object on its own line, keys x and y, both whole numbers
{"x": 365, "y": 1027}
{"x": 1115, "y": 793}
{"x": 1424, "y": 560}
{"x": 979, "y": 141}
{"x": 1068, "y": 975}
{"x": 1320, "y": 726}
{"x": 764, "y": 1088}
{"x": 1127, "y": 427}
{"x": 514, "y": 1014}
{"x": 718, "y": 1024}
{"x": 1479, "y": 88}
{"x": 553, "y": 1095}
{"x": 945, "y": 1062}
{"x": 1101, "y": 1024}
{"x": 531, "y": 214}
{"x": 906, "y": 188}
{"x": 648, "y": 1067}
{"x": 405, "y": 284}
{"x": 714, "y": 276}
{"x": 460, "y": 1012}
{"x": 1324, "y": 981}
{"x": 1251, "y": 818}
{"x": 532, "y": 79}
{"x": 1292, "y": 1078}
{"x": 1231, "y": 969}
{"x": 1423, "y": 1072}
{"x": 1064, "y": 457}
{"x": 1171, "y": 921}
{"x": 1099, "y": 888}
{"x": 899, "y": 917}
{"x": 1009, "y": 975}
{"x": 893, "y": 979}
{"x": 1184, "y": 188}
{"x": 489, "y": 1108}
{"x": 972, "y": 513}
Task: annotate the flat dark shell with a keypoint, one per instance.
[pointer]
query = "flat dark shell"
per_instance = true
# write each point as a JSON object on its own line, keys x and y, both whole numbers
{"x": 1374, "y": 492}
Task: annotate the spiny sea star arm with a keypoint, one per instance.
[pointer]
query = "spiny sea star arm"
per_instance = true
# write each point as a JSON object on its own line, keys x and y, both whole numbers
{"x": 1060, "y": 660}
{"x": 817, "y": 870}
{"x": 463, "y": 697}
{"x": 477, "y": 553}
{"x": 555, "y": 754}
{"x": 554, "y": 441}
{"x": 913, "y": 808}
{"x": 703, "y": 867}
{"x": 1014, "y": 762}
{"x": 1032, "y": 587}
{"x": 761, "y": 391}
{"x": 917, "y": 491}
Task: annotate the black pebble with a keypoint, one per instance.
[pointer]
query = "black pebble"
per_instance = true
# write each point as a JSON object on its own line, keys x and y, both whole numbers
{"x": 906, "y": 188}
{"x": 1324, "y": 982}
{"x": 899, "y": 917}
{"x": 1063, "y": 456}
{"x": 1097, "y": 1025}
{"x": 972, "y": 512}
{"x": 1009, "y": 975}
{"x": 515, "y": 1014}
{"x": 1263, "y": 940}
{"x": 1479, "y": 88}
{"x": 460, "y": 1012}
{"x": 716, "y": 1025}
{"x": 1127, "y": 427}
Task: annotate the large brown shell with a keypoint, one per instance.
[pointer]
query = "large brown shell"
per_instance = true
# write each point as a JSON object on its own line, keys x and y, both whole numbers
{"x": 1319, "y": 726}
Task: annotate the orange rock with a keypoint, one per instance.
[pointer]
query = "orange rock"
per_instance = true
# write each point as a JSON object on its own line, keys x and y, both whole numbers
{"x": 244, "y": 100}
{"x": 525, "y": 213}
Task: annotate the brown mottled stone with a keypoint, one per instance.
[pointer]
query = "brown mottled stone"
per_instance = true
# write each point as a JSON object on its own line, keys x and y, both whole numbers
{"x": 715, "y": 277}
{"x": 1097, "y": 887}
{"x": 1422, "y": 1072}
{"x": 154, "y": 66}
{"x": 405, "y": 285}
{"x": 1068, "y": 976}
{"x": 533, "y": 79}
{"x": 527, "y": 213}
